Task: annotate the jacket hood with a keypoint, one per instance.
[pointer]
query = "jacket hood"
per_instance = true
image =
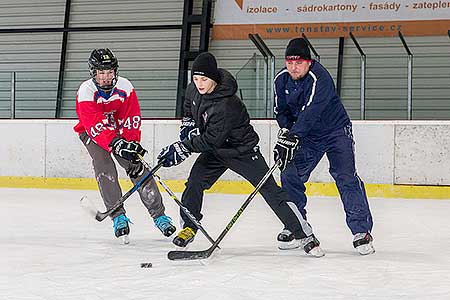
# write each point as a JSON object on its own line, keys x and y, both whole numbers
{"x": 226, "y": 88}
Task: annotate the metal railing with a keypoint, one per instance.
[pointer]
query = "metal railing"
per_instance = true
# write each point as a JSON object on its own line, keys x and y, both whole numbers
{"x": 8, "y": 95}
{"x": 264, "y": 86}
{"x": 362, "y": 82}
{"x": 410, "y": 66}
{"x": 316, "y": 55}
{"x": 30, "y": 94}
{"x": 269, "y": 72}
{"x": 251, "y": 84}
{"x": 13, "y": 95}
{"x": 246, "y": 77}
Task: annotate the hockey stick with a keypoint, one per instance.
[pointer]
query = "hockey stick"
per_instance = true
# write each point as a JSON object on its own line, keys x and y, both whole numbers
{"x": 191, "y": 255}
{"x": 182, "y": 207}
{"x": 100, "y": 216}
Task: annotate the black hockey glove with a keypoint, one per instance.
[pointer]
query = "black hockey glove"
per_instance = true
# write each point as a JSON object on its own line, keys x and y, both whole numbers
{"x": 188, "y": 129}
{"x": 135, "y": 170}
{"x": 127, "y": 150}
{"x": 285, "y": 148}
{"x": 173, "y": 154}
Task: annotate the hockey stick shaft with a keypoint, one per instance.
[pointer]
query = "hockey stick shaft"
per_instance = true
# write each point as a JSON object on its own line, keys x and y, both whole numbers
{"x": 100, "y": 216}
{"x": 189, "y": 255}
{"x": 179, "y": 203}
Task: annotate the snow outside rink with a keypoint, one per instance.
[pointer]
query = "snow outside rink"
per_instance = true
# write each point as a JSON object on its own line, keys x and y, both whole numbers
{"x": 51, "y": 249}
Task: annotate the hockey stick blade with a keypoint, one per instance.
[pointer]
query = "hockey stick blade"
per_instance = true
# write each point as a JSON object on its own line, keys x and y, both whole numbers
{"x": 100, "y": 216}
{"x": 87, "y": 205}
{"x": 190, "y": 255}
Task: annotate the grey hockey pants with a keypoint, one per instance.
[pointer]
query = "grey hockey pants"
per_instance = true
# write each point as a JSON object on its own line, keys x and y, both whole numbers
{"x": 108, "y": 180}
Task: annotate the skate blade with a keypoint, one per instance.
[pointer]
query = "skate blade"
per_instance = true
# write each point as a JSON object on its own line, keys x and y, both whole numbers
{"x": 294, "y": 244}
{"x": 316, "y": 252}
{"x": 125, "y": 239}
{"x": 366, "y": 249}
{"x": 185, "y": 248}
{"x": 169, "y": 234}
{"x": 178, "y": 248}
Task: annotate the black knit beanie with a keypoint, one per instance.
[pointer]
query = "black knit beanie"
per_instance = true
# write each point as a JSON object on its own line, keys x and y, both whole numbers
{"x": 297, "y": 49}
{"x": 206, "y": 65}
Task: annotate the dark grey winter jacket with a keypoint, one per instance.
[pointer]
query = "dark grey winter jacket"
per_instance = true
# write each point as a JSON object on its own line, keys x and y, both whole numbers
{"x": 222, "y": 118}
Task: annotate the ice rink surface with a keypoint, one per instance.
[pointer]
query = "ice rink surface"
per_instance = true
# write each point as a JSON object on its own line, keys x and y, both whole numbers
{"x": 51, "y": 249}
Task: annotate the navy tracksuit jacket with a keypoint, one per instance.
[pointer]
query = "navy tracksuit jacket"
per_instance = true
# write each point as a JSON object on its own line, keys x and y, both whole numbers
{"x": 311, "y": 109}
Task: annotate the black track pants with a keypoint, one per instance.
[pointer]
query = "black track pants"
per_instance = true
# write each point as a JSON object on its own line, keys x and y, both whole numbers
{"x": 252, "y": 166}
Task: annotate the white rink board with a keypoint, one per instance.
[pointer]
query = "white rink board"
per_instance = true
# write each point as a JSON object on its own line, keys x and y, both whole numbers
{"x": 374, "y": 146}
{"x": 390, "y": 152}
{"x": 423, "y": 152}
{"x": 22, "y": 149}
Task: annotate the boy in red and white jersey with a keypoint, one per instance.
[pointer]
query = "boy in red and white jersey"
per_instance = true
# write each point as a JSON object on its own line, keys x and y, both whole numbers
{"x": 110, "y": 123}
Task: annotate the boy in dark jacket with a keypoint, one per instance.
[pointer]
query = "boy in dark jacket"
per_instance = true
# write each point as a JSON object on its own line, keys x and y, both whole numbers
{"x": 217, "y": 125}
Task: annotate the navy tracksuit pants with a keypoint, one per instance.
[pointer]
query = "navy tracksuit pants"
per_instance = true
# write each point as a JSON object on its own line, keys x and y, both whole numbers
{"x": 339, "y": 148}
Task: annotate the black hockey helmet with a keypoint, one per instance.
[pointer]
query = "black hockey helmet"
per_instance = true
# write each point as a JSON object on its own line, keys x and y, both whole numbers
{"x": 103, "y": 59}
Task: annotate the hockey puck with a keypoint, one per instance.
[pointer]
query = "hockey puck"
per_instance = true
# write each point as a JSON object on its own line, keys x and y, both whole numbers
{"x": 146, "y": 265}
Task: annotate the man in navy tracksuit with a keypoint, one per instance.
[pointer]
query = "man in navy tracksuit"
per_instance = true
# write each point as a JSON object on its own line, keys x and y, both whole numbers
{"x": 313, "y": 122}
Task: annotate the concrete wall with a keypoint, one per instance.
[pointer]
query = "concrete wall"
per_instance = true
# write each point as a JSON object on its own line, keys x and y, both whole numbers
{"x": 390, "y": 152}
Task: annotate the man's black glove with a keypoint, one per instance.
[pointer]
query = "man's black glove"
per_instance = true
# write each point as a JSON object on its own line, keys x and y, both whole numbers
{"x": 173, "y": 154}
{"x": 188, "y": 129}
{"x": 127, "y": 150}
{"x": 285, "y": 147}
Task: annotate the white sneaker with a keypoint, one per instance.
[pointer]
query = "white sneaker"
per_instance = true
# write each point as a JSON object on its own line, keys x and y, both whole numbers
{"x": 363, "y": 243}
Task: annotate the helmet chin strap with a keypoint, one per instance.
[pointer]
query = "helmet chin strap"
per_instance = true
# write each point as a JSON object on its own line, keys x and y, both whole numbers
{"x": 105, "y": 89}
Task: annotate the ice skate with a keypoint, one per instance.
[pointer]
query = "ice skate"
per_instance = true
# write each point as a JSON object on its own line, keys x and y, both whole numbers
{"x": 121, "y": 228}
{"x": 184, "y": 237}
{"x": 363, "y": 243}
{"x": 311, "y": 246}
{"x": 286, "y": 240}
{"x": 164, "y": 223}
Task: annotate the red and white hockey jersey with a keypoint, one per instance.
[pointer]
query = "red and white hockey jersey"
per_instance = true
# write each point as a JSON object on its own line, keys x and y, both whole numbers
{"x": 104, "y": 116}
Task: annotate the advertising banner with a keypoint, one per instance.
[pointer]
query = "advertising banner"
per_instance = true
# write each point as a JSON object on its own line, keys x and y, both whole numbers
{"x": 235, "y": 19}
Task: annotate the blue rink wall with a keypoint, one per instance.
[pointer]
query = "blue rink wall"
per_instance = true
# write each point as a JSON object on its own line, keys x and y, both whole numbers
{"x": 401, "y": 159}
